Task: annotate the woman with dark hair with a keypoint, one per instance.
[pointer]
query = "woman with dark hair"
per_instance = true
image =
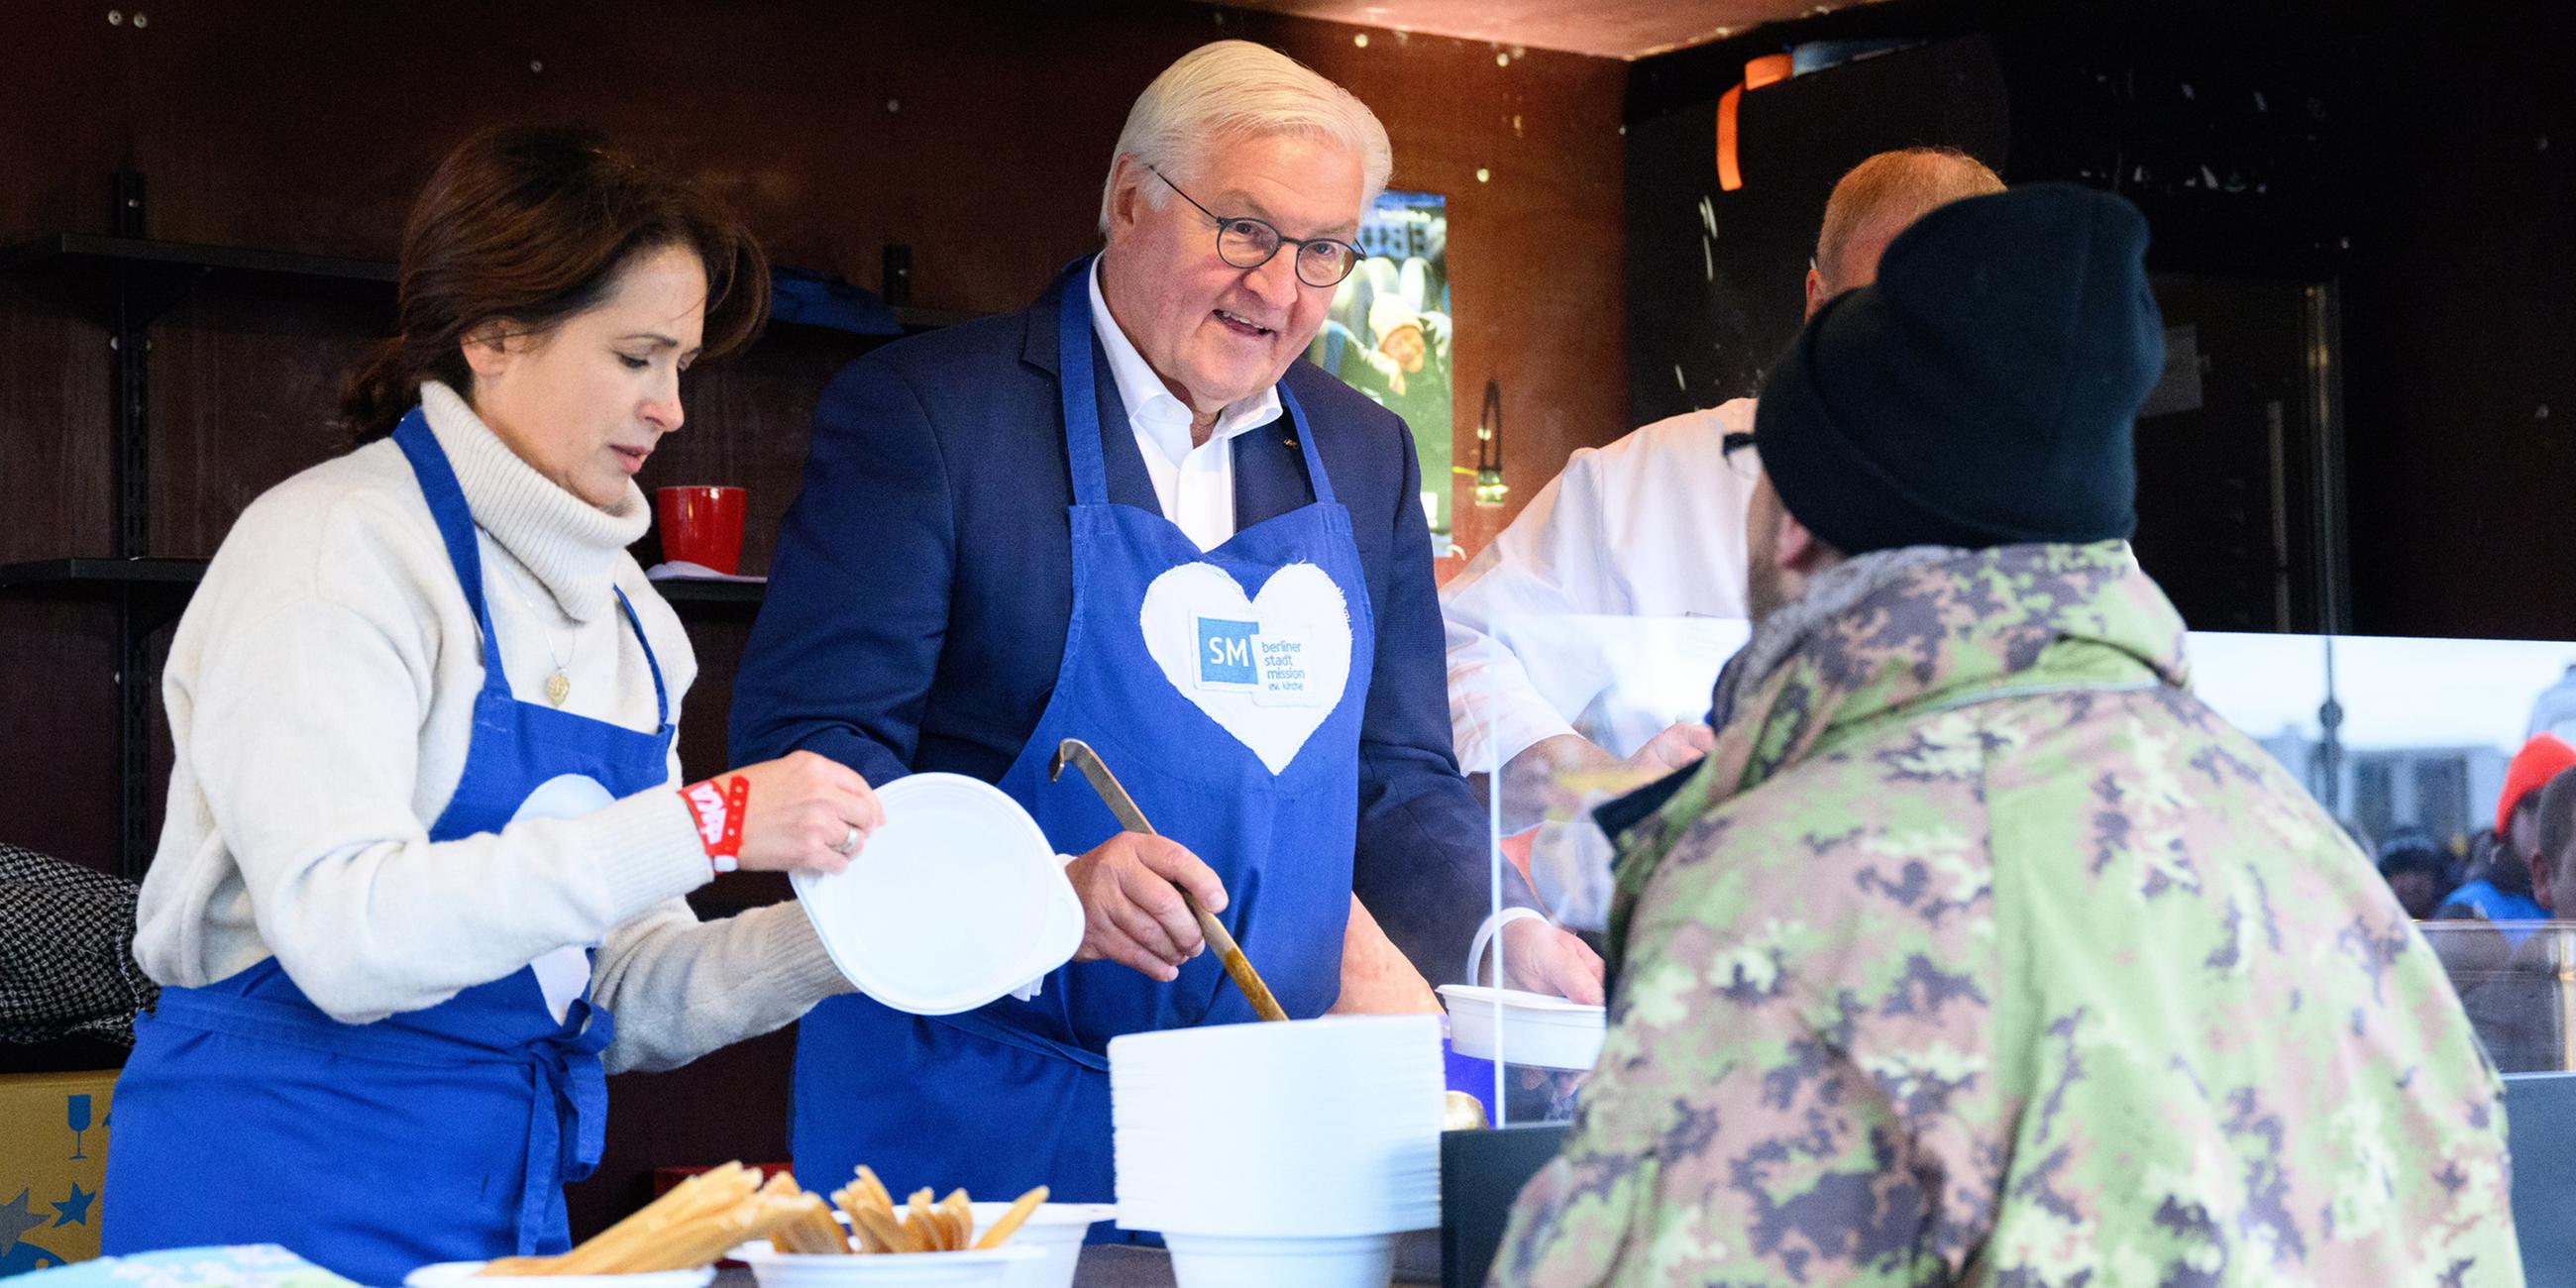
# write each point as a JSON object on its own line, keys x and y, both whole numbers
{"x": 420, "y": 885}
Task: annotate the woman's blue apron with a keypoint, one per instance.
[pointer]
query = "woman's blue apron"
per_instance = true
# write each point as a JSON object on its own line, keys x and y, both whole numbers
{"x": 247, "y": 1115}
{"x": 1193, "y": 674}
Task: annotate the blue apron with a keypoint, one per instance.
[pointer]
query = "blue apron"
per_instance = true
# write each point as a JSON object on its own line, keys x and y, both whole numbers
{"x": 247, "y": 1115}
{"x": 1016, "y": 1094}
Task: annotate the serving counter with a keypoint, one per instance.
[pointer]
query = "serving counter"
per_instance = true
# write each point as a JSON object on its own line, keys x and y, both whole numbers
{"x": 1417, "y": 1261}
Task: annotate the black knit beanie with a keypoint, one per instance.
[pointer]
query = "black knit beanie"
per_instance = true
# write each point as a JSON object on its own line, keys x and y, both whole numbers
{"x": 1984, "y": 391}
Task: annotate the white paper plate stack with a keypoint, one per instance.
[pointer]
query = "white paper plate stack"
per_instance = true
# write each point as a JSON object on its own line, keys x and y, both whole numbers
{"x": 1287, "y": 1154}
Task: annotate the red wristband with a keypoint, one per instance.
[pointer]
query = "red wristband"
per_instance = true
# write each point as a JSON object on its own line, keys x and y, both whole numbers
{"x": 717, "y": 805}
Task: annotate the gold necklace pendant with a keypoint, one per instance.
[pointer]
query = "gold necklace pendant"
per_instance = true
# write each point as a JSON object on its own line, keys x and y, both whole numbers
{"x": 558, "y": 687}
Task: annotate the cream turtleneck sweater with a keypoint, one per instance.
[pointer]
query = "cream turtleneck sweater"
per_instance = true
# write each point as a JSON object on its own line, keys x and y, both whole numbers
{"x": 321, "y": 692}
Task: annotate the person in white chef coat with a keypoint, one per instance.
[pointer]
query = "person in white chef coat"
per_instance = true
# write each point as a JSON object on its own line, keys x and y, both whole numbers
{"x": 1651, "y": 526}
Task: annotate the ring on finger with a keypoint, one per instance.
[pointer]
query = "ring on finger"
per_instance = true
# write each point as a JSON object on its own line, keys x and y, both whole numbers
{"x": 849, "y": 842}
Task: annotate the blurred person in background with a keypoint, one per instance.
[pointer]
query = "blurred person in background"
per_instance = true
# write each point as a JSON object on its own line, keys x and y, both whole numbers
{"x": 2502, "y": 891}
{"x": 2418, "y": 873}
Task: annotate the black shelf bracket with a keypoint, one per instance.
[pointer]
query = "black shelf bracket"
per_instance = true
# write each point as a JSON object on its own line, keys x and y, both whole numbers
{"x": 135, "y": 678}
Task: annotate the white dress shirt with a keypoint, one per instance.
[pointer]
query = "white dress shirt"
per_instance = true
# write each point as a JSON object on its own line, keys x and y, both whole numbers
{"x": 1194, "y": 483}
{"x": 1651, "y": 526}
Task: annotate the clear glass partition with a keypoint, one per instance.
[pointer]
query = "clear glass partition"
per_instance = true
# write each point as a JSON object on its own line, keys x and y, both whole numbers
{"x": 1618, "y": 682}
{"x": 2405, "y": 740}
{"x": 2517, "y": 980}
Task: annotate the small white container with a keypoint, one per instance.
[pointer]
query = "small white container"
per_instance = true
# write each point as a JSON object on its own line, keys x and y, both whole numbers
{"x": 955, "y": 901}
{"x": 460, "y": 1274}
{"x": 1537, "y": 1030}
{"x": 1055, "y": 1230}
{"x": 992, "y": 1268}
{"x": 1235, "y": 1261}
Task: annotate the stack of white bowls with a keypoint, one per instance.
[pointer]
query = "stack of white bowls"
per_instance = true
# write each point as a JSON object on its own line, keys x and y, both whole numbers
{"x": 1280, "y": 1154}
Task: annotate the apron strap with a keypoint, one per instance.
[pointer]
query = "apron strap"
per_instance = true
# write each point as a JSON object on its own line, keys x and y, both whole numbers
{"x": 661, "y": 696}
{"x": 992, "y": 1030}
{"x": 1078, "y": 384}
{"x": 1306, "y": 443}
{"x": 456, "y": 528}
{"x": 568, "y": 1127}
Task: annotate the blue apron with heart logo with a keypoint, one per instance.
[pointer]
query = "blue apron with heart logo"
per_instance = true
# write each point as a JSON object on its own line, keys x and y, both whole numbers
{"x": 1225, "y": 688}
{"x": 247, "y": 1115}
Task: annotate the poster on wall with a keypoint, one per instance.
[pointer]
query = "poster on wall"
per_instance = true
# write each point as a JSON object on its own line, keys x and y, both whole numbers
{"x": 1388, "y": 332}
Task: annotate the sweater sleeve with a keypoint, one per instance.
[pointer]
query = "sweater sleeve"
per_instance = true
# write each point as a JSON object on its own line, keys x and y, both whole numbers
{"x": 303, "y": 713}
{"x": 680, "y": 987}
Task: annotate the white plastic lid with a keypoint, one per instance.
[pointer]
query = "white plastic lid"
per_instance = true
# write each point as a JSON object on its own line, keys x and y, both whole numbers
{"x": 956, "y": 901}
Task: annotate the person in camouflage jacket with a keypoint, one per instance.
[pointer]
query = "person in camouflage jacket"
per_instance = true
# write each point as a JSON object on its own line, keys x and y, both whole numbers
{"x": 1978, "y": 951}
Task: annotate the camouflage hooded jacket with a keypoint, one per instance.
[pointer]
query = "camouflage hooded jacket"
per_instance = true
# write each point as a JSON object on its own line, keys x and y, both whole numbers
{"x": 1979, "y": 952}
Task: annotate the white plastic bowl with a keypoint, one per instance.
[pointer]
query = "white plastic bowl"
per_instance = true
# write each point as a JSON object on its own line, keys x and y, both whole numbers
{"x": 1055, "y": 1230}
{"x": 993, "y": 1268}
{"x": 1537, "y": 1030}
{"x": 460, "y": 1274}
{"x": 1234, "y": 1261}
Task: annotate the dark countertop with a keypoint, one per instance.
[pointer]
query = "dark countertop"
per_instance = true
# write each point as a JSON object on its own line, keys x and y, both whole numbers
{"x": 1417, "y": 1261}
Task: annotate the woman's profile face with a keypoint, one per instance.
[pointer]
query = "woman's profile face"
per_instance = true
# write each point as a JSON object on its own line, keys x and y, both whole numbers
{"x": 586, "y": 401}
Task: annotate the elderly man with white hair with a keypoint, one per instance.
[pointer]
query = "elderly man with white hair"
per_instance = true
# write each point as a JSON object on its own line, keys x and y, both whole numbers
{"x": 1129, "y": 515}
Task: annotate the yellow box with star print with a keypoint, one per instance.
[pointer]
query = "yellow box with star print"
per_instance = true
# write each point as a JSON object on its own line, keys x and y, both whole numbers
{"x": 53, "y": 1154}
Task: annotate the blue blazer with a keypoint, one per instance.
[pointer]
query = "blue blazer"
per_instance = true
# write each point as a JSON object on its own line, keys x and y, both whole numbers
{"x": 916, "y": 610}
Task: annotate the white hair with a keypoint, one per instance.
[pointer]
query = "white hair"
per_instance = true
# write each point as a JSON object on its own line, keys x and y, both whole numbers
{"x": 1236, "y": 89}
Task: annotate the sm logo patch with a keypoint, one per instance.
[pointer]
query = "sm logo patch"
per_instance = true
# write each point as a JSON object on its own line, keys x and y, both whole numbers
{"x": 1226, "y": 657}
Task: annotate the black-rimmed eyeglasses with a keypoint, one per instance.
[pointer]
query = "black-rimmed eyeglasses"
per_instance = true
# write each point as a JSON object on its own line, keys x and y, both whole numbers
{"x": 1246, "y": 242}
{"x": 1740, "y": 456}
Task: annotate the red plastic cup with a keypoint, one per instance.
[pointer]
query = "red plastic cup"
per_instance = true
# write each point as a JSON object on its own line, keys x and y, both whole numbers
{"x": 701, "y": 525}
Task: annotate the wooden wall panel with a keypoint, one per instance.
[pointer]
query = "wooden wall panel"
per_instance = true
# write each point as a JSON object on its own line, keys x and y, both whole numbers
{"x": 245, "y": 376}
{"x": 55, "y": 380}
{"x": 57, "y": 714}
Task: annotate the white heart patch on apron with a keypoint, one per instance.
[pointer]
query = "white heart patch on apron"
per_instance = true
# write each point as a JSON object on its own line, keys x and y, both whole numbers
{"x": 1269, "y": 669}
{"x": 564, "y": 974}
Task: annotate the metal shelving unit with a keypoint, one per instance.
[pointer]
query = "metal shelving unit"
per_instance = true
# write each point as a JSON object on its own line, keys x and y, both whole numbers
{"x": 142, "y": 279}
